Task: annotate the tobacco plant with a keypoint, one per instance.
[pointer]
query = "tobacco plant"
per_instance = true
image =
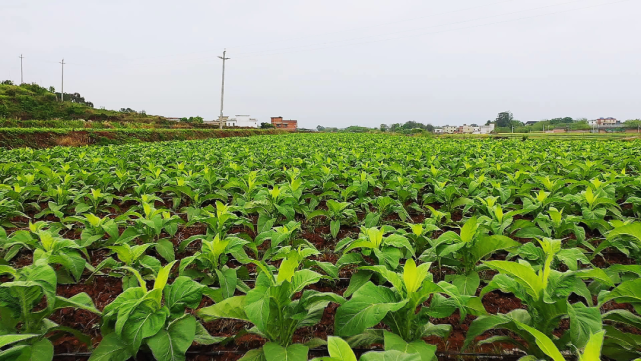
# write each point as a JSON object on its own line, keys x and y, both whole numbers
{"x": 154, "y": 319}
{"x": 464, "y": 251}
{"x": 272, "y": 308}
{"x": 24, "y": 325}
{"x": 397, "y": 307}
{"x": 546, "y": 293}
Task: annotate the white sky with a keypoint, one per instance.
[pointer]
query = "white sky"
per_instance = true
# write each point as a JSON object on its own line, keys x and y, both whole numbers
{"x": 336, "y": 62}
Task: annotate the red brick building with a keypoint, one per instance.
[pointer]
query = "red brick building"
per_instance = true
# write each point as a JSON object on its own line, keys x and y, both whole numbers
{"x": 279, "y": 123}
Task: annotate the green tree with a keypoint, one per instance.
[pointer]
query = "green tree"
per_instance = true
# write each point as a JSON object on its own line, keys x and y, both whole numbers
{"x": 565, "y": 120}
{"x": 266, "y": 125}
{"x": 504, "y": 119}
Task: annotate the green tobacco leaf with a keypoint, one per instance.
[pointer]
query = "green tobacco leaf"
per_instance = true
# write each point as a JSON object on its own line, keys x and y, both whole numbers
{"x": 592, "y": 350}
{"x": 228, "y": 281}
{"x": 469, "y": 230}
{"x": 545, "y": 344}
{"x": 483, "y": 324}
{"x": 628, "y": 291}
{"x": 275, "y": 352}
{"x": 254, "y": 355}
{"x": 334, "y": 227}
{"x": 9, "y": 339}
{"x": 257, "y": 306}
{"x": 202, "y": 336}
{"x": 142, "y": 323}
{"x": 184, "y": 292}
{"x": 584, "y": 321}
{"x": 163, "y": 276}
{"x": 303, "y": 278}
{"x": 522, "y": 274}
{"x": 367, "y": 307}
{"x": 413, "y": 276}
{"x": 390, "y": 356}
{"x": 81, "y": 301}
{"x": 467, "y": 285}
{"x": 111, "y": 348}
{"x": 14, "y": 352}
{"x": 571, "y": 257}
{"x": 632, "y": 229}
{"x": 233, "y": 307}
{"x": 488, "y": 245}
{"x": 357, "y": 281}
{"x": 623, "y": 316}
{"x": 339, "y": 349}
{"x": 165, "y": 249}
{"x": 172, "y": 344}
{"x": 39, "y": 351}
{"x": 394, "y": 342}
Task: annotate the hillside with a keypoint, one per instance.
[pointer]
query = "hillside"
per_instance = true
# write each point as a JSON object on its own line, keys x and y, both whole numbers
{"x": 31, "y": 101}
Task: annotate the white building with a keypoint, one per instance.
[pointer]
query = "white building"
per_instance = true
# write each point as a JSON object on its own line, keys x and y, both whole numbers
{"x": 438, "y": 130}
{"x": 242, "y": 121}
{"x": 476, "y": 130}
{"x": 486, "y": 129}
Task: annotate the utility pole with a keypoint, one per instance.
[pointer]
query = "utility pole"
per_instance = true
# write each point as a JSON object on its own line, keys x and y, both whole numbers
{"x": 222, "y": 90}
{"x": 21, "y": 78}
{"x": 62, "y": 85}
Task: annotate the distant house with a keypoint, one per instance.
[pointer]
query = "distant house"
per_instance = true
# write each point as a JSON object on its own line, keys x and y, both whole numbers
{"x": 486, "y": 129}
{"x": 215, "y": 122}
{"x": 466, "y": 129}
{"x": 449, "y": 129}
{"x": 604, "y": 121}
{"x": 244, "y": 121}
{"x": 279, "y": 123}
{"x": 438, "y": 130}
{"x": 531, "y": 122}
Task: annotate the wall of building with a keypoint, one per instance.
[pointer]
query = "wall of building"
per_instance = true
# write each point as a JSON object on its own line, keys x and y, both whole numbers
{"x": 279, "y": 123}
{"x": 246, "y": 121}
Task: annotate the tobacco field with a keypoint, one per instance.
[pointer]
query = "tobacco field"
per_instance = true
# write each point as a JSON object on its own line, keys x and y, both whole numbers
{"x": 336, "y": 247}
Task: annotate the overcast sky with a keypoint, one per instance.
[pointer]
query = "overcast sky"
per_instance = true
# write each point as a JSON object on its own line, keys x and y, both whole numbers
{"x": 336, "y": 62}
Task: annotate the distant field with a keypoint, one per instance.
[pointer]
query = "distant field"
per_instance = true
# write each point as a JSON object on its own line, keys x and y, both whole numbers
{"x": 557, "y": 136}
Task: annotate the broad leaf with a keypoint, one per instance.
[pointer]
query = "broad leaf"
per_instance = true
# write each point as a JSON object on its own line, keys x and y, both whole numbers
{"x": 172, "y": 344}
{"x": 111, "y": 348}
{"x": 275, "y": 352}
{"x": 367, "y": 307}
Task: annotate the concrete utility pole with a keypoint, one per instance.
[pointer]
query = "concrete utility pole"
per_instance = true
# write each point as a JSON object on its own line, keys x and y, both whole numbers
{"x": 62, "y": 85}
{"x": 21, "y": 78}
{"x": 222, "y": 90}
